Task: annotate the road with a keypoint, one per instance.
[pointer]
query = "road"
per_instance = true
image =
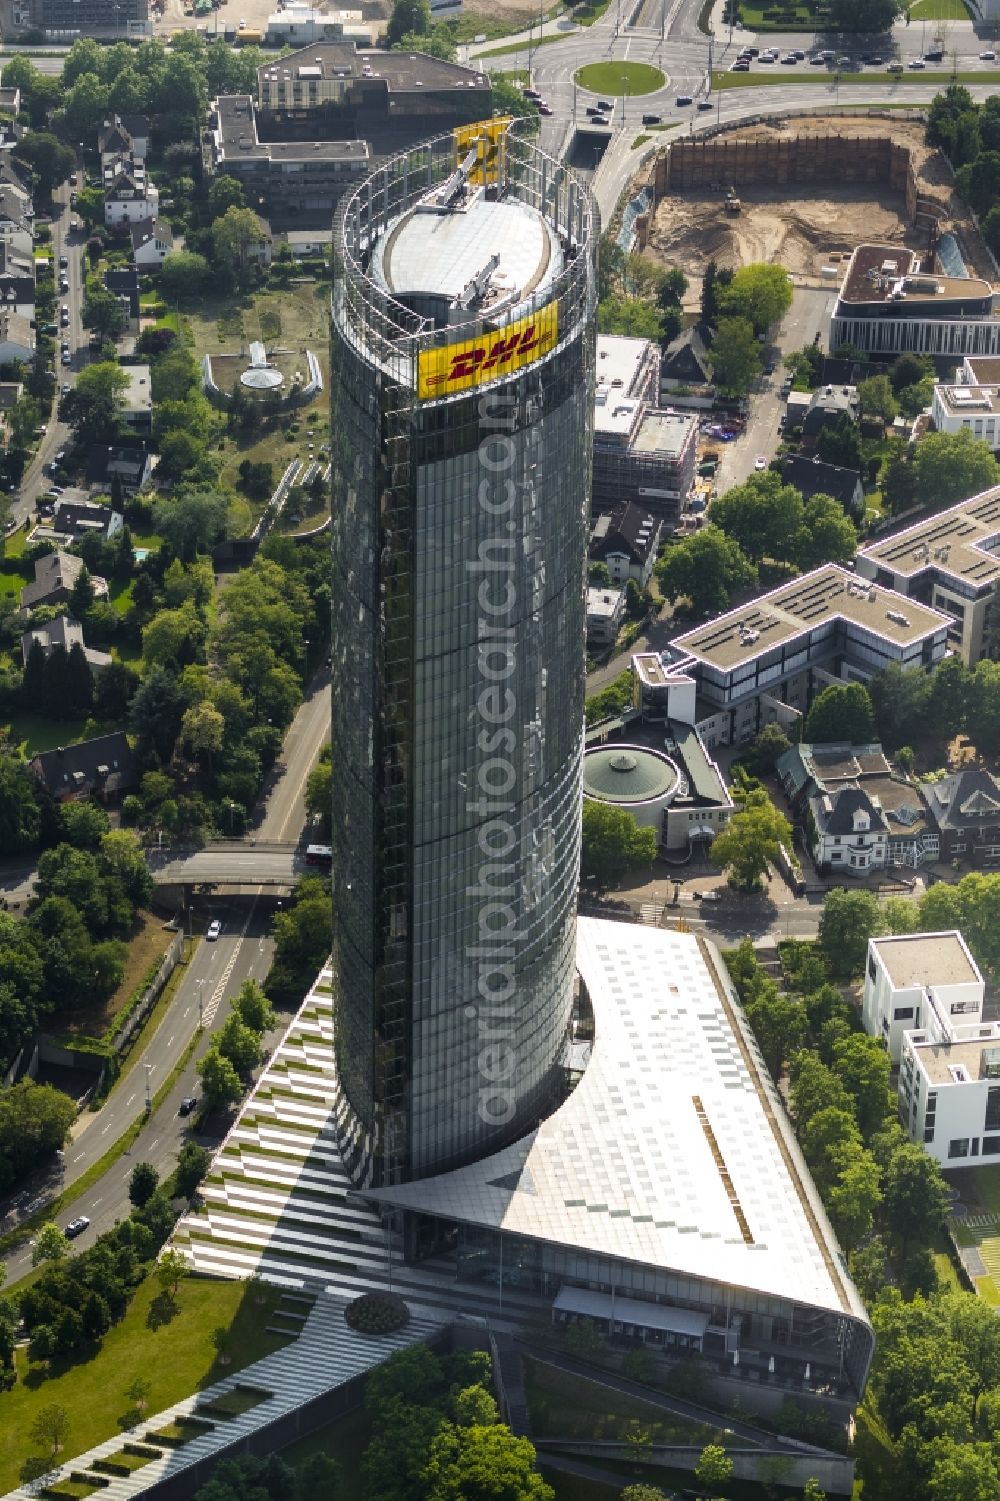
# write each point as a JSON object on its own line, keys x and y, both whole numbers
{"x": 64, "y": 242}
{"x": 233, "y": 865}
{"x": 808, "y": 315}
{"x": 213, "y": 977}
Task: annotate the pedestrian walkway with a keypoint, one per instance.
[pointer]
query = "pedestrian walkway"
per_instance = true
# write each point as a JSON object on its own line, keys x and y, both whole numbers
{"x": 325, "y": 1355}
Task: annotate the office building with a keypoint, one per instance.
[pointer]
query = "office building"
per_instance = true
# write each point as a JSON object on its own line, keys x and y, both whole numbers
{"x": 108, "y": 20}
{"x": 670, "y": 1179}
{"x": 924, "y": 997}
{"x": 766, "y": 660}
{"x": 888, "y": 306}
{"x": 324, "y": 114}
{"x": 605, "y": 613}
{"x": 949, "y": 561}
{"x": 462, "y": 394}
{"x": 975, "y": 409}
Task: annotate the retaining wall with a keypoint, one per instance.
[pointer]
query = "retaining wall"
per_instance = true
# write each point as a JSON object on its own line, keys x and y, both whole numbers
{"x": 777, "y": 161}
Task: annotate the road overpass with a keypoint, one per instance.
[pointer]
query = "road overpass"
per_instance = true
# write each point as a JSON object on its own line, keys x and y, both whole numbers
{"x": 230, "y": 863}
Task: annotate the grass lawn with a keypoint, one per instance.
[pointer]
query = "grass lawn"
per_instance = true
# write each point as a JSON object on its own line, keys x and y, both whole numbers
{"x": 619, "y": 79}
{"x": 932, "y": 77}
{"x": 120, "y": 594}
{"x": 34, "y": 733}
{"x": 793, "y": 18}
{"x": 15, "y": 545}
{"x": 939, "y": 10}
{"x": 177, "y": 1356}
{"x": 147, "y": 944}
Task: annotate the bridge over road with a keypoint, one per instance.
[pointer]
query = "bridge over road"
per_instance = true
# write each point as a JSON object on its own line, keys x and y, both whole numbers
{"x": 230, "y": 863}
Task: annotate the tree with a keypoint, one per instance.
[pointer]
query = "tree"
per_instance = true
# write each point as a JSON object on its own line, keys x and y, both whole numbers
{"x": 236, "y": 239}
{"x": 706, "y": 568}
{"x": 184, "y": 274}
{"x": 51, "y": 1427}
{"x": 849, "y": 919}
{"x": 219, "y": 1080}
{"x": 253, "y": 1008}
{"x": 20, "y": 814}
{"x": 50, "y": 1244}
{"x": 103, "y": 313}
{"x": 483, "y": 1464}
{"x": 813, "y": 1491}
{"x": 949, "y": 467}
{"x": 826, "y": 535}
{"x": 839, "y": 443}
{"x": 614, "y": 843}
{"x": 142, "y": 1184}
{"x": 853, "y": 1197}
{"x": 862, "y": 1064}
{"x": 900, "y": 701}
{"x": 34, "y": 1118}
{"x": 841, "y": 714}
{"x": 778, "y": 1022}
{"x": 193, "y": 1162}
{"x": 736, "y": 360}
{"x": 138, "y": 1393}
{"x": 156, "y": 710}
{"x": 171, "y": 1269}
{"x": 97, "y": 400}
{"x": 714, "y": 1467}
{"x": 961, "y": 1469}
{"x": 224, "y": 193}
{"x": 630, "y": 318}
{"x": 876, "y": 398}
{"x": 916, "y": 1196}
{"x": 191, "y": 521}
{"x": 763, "y": 515}
{"x": 408, "y": 17}
{"x": 762, "y": 294}
{"x": 50, "y": 161}
{"x": 710, "y": 295}
{"x": 752, "y": 839}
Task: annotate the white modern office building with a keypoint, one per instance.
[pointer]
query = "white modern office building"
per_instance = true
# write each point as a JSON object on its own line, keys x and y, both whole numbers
{"x": 924, "y": 997}
{"x": 889, "y": 305}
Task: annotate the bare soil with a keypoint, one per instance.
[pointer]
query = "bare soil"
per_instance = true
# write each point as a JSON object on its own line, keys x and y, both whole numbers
{"x": 808, "y": 227}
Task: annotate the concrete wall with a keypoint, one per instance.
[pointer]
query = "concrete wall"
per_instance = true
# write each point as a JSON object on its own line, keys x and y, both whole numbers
{"x": 834, "y": 1472}
{"x": 774, "y": 161}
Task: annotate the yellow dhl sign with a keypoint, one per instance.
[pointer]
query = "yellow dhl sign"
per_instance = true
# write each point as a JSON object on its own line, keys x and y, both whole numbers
{"x": 451, "y": 368}
{"x": 484, "y": 136}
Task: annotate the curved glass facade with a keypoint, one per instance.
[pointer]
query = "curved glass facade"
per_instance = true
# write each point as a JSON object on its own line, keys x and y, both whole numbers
{"x": 459, "y": 551}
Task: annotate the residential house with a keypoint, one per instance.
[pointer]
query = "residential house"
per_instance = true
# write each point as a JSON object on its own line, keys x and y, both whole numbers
{"x": 55, "y": 575}
{"x": 810, "y": 476}
{"x": 846, "y": 831}
{"x": 136, "y": 409}
{"x": 605, "y": 613}
{"x": 123, "y": 135}
{"x": 17, "y": 280}
{"x": 811, "y": 773}
{"x": 627, "y": 539}
{"x": 827, "y": 406}
{"x": 127, "y": 469}
{"x": 104, "y": 768}
{"x": 123, "y": 282}
{"x": 970, "y": 408}
{"x": 152, "y": 242}
{"x": 924, "y": 998}
{"x": 129, "y": 196}
{"x": 73, "y": 519}
{"x": 62, "y": 633}
{"x": 965, "y": 810}
{"x": 17, "y": 337}
{"x": 686, "y": 360}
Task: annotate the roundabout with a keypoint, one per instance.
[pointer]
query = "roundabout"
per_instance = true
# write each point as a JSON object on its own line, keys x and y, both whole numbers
{"x": 620, "y": 80}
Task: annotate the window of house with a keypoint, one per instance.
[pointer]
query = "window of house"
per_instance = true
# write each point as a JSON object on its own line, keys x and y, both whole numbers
{"x": 958, "y": 1146}
{"x": 871, "y": 966}
{"x": 992, "y": 1122}
{"x": 991, "y": 1146}
{"x": 905, "y": 1014}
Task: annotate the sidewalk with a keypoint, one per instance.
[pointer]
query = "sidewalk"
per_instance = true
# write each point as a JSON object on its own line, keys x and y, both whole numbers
{"x": 561, "y": 25}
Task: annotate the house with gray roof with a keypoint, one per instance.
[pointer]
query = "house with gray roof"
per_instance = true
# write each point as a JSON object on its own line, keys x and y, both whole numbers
{"x": 55, "y": 575}
{"x": 965, "y": 809}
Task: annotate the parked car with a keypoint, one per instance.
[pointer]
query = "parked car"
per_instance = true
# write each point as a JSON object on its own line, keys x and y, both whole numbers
{"x": 817, "y": 60}
{"x": 705, "y": 104}
{"x": 606, "y": 105}
{"x": 66, "y": 389}
{"x": 936, "y": 56}
{"x": 187, "y": 1105}
{"x": 214, "y": 930}
{"x": 65, "y": 358}
{"x": 76, "y": 1227}
{"x": 63, "y": 262}
{"x": 544, "y": 108}
{"x": 760, "y": 462}
{"x": 894, "y": 68}
{"x": 740, "y": 68}
{"x": 651, "y": 119}
{"x": 988, "y": 56}
{"x": 917, "y": 64}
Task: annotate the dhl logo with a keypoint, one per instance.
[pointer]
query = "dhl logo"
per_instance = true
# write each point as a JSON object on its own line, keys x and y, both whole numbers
{"x": 459, "y": 367}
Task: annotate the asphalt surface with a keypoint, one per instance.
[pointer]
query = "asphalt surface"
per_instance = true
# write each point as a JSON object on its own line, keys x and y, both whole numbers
{"x": 64, "y": 242}
{"x": 213, "y": 976}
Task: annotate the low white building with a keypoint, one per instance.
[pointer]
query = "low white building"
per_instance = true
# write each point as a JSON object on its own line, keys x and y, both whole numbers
{"x": 847, "y": 831}
{"x": 924, "y": 996}
{"x": 129, "y": 196}
{"x": 605, "y": 612}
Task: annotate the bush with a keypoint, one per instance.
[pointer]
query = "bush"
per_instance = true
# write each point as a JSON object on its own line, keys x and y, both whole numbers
{"x": 377, "y": 1313}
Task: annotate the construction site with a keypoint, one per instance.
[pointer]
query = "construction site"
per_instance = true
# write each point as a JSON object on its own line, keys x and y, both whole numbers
{"x": 803, "y": 193}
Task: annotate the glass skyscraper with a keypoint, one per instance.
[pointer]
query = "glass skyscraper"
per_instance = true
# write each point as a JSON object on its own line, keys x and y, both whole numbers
{"x": 461, "y": 391}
